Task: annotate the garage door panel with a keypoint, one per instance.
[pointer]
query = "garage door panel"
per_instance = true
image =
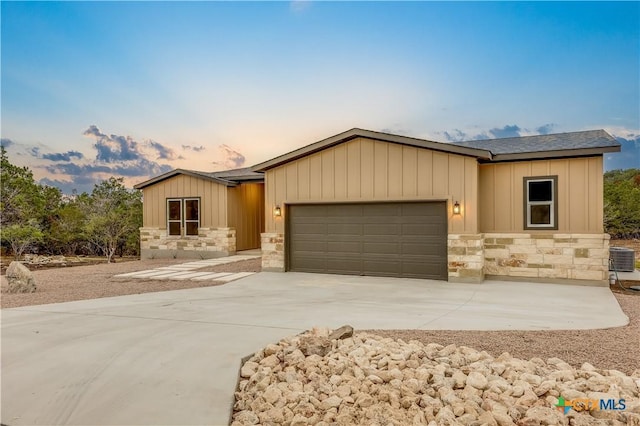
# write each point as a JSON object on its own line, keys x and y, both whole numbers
{"x": 343, "y": 265}
{"x": 381, "y": 229}
{"x": 420, "y": 249}
{"x": 344, "y": 229}
{"x": 383, "y": 239}
{"x": 380, "y": 248}
{"x": 309, "y": 245}
{"x": 344, "y": 210}
{"x": 309, "y": 228}
{"x": 344, "y": 247}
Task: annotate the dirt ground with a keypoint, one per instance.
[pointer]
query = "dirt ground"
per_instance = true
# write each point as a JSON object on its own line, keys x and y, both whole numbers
{"x": 95, "y": 281}
{"x": 617, "y": 348}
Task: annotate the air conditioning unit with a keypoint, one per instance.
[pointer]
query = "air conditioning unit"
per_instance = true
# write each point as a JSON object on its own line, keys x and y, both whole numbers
{"x": 621, "y": 259}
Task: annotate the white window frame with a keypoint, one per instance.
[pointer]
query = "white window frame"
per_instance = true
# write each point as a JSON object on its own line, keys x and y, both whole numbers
{"x": 183, "y": 221}
{"x": 553, "y": 203}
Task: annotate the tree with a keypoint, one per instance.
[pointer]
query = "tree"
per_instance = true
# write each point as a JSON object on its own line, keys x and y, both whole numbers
{"x": 66, "y": 233}
{"x": 21, "y": 237}
{"x": 112, "y": 216}
{"x": 20, "y": 196}
{"x": 622, "y": 203}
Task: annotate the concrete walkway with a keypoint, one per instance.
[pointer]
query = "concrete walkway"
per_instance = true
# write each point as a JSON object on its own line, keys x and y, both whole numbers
{"x": 188, "y": 271}
{"x": 172, "y": 357}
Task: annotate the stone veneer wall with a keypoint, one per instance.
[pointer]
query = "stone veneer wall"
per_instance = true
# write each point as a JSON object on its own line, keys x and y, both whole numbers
{"x": 210, "y": 242}
{"x": 272, "y": 244}
{"x": 555, "y": 256}
{"x": 465, "y": 260}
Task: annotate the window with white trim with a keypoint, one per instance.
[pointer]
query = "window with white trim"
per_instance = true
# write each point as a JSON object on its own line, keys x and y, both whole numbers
{"x": 183, "y": 216}
{"x": 541, "y": 202}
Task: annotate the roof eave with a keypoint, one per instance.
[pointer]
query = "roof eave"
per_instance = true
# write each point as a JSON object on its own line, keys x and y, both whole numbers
{"x": 369, "y": 134}
{"x": 177, "y": 172}
{"x": 562, "y": 153}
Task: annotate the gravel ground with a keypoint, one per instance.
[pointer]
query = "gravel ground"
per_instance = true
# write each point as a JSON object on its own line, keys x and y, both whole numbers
{"x": 614, "y": 348}
{"x": 617, "y": 348}
{"x": 95, "y": 281}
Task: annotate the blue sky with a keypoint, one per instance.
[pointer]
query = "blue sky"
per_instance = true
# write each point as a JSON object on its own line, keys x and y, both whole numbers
{"x": 134, "y": 89}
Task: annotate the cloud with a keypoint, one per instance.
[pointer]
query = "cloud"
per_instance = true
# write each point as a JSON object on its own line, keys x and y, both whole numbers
{"x": 232, "y": 159}
{"x": 629, "y": 155}
{"x": 6, "y": 143}
{"x": 545, "y": 129}
{"x": 508, "y": 131}
{"x": 63, "y": 156}
{"x": 115, "y": 148}
{"x": 299, "y": 6}
{"x": 193, "y": 148}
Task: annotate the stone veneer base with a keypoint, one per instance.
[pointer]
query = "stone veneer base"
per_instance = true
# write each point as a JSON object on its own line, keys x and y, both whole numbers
{"x": 565, "y": 281}
{"x": 527, "y": 256}
{"x": 209, "y": 243}
{"x": 272, "y": 245}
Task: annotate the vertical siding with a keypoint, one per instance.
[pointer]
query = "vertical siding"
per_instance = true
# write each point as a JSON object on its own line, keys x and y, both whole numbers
{"x": 580, "y": 189}
{"x": 213, "y": 200}
{"x": 246, "y": 214}
{"x": 368, "y": 170}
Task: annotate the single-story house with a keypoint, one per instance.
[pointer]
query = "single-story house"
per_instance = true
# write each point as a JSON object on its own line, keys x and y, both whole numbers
{"x": 370, "y": 203}
{"x": 187, "y": 213}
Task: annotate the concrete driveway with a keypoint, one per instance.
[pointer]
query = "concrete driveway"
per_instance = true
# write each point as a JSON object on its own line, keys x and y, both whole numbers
{"x": 172, "y": 357}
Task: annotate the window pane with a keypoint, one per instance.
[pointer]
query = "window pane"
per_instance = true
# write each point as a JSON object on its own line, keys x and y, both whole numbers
{"x": 191, "y": 209}
{"x": 192, "y": 228}
{"x": 174, "y": 228}
{"x": 540, "y": 191}
{"x": 540, "y": 215}
{"x": 174, "y": 210}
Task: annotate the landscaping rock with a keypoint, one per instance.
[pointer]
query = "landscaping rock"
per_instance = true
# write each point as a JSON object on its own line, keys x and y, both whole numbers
{"x": 20, "y": 279}
{"x": 341, "y": 333}
{"x": 364, "y": 379}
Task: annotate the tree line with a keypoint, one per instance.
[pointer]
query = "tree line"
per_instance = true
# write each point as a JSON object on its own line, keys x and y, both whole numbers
{"x": 37, "y": 218}
{"x": 622, "y": 203}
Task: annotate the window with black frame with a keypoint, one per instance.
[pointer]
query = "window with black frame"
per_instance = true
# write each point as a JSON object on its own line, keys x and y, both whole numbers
{"x": 541, "y": 202}
{"x": 183, "y": 216}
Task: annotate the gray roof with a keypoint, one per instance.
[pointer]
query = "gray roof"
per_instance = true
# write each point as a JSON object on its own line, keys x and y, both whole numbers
{"x": 227, "y": 178}
{"x": 239, "y": 175}
{"x": 588, "y": 142}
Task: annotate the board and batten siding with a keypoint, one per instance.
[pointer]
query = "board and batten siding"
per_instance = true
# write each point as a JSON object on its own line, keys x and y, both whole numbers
{"x": 246, "y": 214}
{"x": 213, "y": 200}
{"x": 367, "y": 170}
{"x": 580, "y": 199}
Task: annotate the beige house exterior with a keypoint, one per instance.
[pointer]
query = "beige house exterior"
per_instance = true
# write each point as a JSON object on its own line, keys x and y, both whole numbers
{"x": 492, "y": 184}
{"x": 371, "y": 203}
{"x": 194, "y": 214}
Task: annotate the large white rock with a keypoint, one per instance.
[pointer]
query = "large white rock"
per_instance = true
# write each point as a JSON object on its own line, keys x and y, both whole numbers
{"x": 20, "y": 279}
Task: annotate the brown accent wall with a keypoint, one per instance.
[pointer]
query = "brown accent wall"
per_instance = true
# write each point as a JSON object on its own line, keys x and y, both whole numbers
{"x": 213, "y": 200}
{"x": 246, "y": 214}
{"x": 368, "y": 170}
{"x": 580, "y": 202}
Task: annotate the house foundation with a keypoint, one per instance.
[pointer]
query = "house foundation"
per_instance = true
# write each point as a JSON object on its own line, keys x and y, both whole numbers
{"x": 209, "y": 243}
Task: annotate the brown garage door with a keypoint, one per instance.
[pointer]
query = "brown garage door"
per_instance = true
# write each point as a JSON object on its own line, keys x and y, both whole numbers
{"x": 380, "y": 239}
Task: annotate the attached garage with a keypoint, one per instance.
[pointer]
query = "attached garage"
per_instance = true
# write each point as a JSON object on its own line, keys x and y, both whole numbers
{"x": 391, "y": 239}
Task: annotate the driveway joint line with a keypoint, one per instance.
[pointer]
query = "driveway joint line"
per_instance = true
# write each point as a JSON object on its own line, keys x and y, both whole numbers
{"x": 450, "y": 312}
{"x": 160, "y": 319}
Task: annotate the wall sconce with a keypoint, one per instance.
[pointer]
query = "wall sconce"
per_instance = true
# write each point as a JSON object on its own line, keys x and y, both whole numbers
{"x": 277, "y": 211}
{"x": 456, "y": 208}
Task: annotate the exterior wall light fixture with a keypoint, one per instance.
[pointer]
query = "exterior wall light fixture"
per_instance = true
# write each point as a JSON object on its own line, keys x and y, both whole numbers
{"x": 277, "y": 211}
{"x": 456, "y": 208}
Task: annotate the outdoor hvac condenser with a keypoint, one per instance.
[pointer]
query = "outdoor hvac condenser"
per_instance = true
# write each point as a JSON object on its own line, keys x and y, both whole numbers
{"x": 622, "y": 259}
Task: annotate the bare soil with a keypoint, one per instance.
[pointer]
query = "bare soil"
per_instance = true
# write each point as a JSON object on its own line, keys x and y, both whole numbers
{"x": 616, "y": 348}
{"x": 96, "y": 281}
